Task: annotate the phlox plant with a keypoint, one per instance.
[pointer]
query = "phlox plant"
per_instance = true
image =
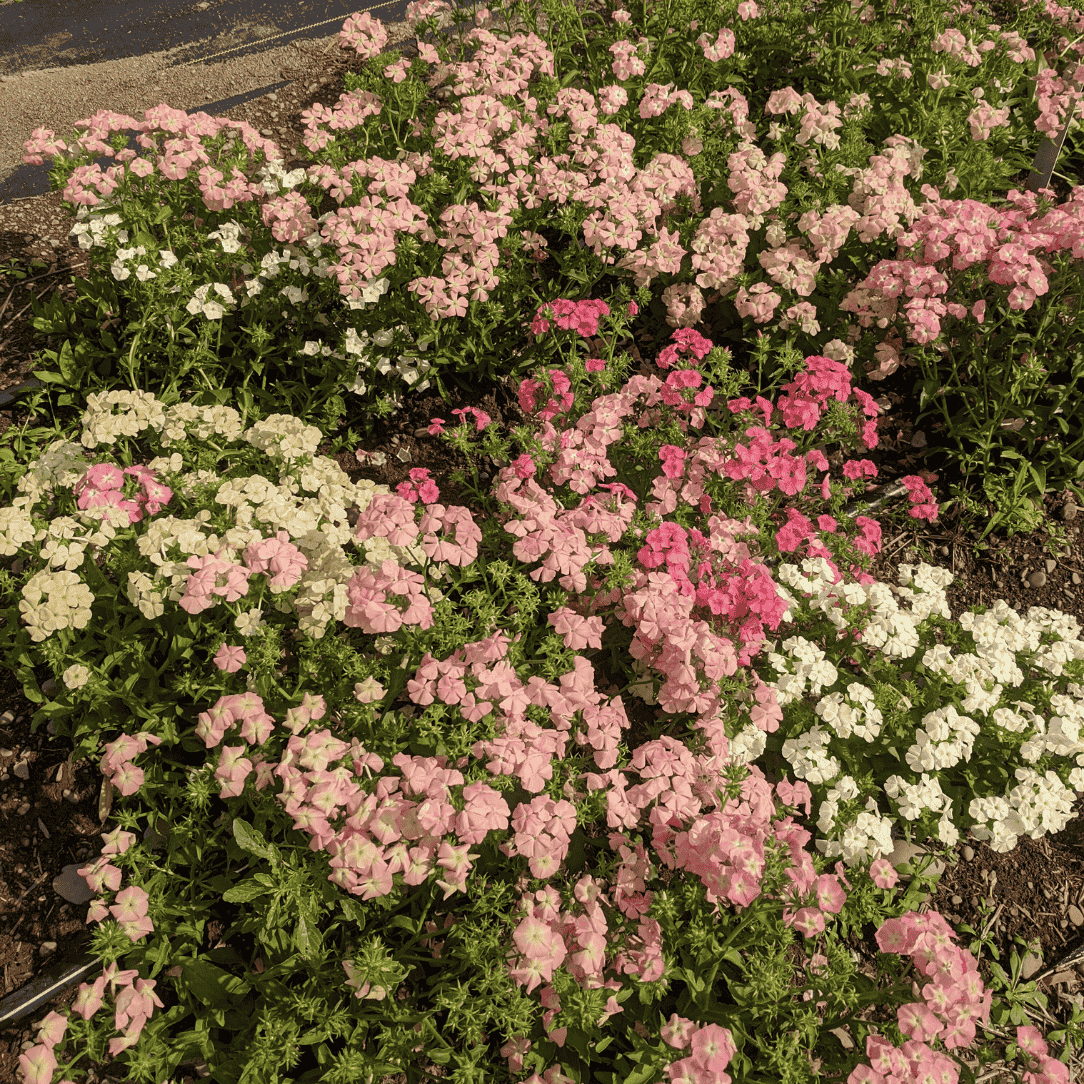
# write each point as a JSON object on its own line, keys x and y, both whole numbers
{"x": 680, "y": 146}
{"x": 507, "y": 884}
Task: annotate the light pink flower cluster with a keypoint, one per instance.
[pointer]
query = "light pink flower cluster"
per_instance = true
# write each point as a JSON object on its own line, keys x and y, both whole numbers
{"x": 134, "y": 999}
{"x": 216, "y": 576}
{"x": 953, "y": 1000}
{"x": 372, "y": 593}
{"x": 118, "y": 764}
{"x": 103, "y": 486}
{"x": 391, "y": 516}
{"x": 1058, "y": 98}
{"x": 972, "y": 234}
{"x": 1042, "y": 1069}
{"x": 710, "y": 1049}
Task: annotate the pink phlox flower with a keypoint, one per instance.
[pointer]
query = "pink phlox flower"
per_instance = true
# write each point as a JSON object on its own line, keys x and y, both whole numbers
{"x": 232, "y": 771}
{"x": 279, "y": 557}
{"x": 481, "y": 418}
{"x": 389, "y": 516}
{"x": 712, "y": 1047}
{"x": 420, "y": 487}
{"x": 130, "y": 904}
{"x": 101, "y": 476}
{"x": 371, "y": 610}
{"x": 883, "y": 873}
{"x": 486, "y": 811}
{"x": 578, "y": 632}
{"x": 686, "y": 341}
{"x": 230, "y": 659}
{"x": 454, "y": 519}
{"x": 213, "y": 576}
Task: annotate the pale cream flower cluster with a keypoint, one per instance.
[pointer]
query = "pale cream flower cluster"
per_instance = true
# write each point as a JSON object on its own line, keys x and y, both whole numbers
{"x": 282, "y": 436}
{"x": 186, "y": 421}
{"x": 945, "y": 736}
{"x": 139, "y": 410}
{"x": 53, "y": 601}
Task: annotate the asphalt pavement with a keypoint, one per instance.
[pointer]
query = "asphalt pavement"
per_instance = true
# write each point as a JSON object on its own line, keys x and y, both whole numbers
{"x": 43, "y": 34}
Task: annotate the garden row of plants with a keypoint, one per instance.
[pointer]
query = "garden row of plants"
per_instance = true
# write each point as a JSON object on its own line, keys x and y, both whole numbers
{"x": 372, "y": 722}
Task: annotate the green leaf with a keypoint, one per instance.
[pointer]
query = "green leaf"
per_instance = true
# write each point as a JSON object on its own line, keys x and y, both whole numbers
{"x": 250, "y": 840}
{"x": 211, "y": 985}
{"x": 306, "y": 939}
{"x": 248, "y": 890}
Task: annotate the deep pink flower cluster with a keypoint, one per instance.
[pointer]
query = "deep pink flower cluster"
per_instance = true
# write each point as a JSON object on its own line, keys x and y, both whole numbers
{"x": 579, "y": 316}
{"x": 420, "y": 487}
{"x": 103, "y": 486}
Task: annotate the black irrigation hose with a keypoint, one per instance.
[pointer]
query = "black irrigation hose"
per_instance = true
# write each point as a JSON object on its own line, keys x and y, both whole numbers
{"x": 54, "y": 981}
{"x": 17, "y": 393}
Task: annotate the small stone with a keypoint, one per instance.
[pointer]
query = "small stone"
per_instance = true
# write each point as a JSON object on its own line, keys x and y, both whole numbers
{"x": 1076, "y": 916}
{"x": 969, "y": 854}
{"x": 47, "y": 947}
{"x": 1031, "y": 966}
{"x": 23, "y": 809}
{"x": 7, "y": 718}
{"x": 48, "y": 687}
{"x": 1076, "y": 578}
{"x": 1069, "y": 512}
{"x": 1051, "y": 564}
{"x": 909, "y": 854}
{"x": 957, "y": 900}
{"x": 943, "y": 550}
{"x": 71, "y": 886}
{"x": 22, "y": 769}
{"x": 1037, "y": 579}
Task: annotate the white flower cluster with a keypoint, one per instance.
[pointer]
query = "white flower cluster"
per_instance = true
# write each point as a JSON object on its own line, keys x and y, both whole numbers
{"x": 945, "y": 737}
{"x": 807, "y": 756}
{"x": 141, "y": 270}
{"x": 186, "y": 421}
{"x": 915, "y": 798}
{"x": 16, "y": 529}
{"x": 815, "y": 581}
{"x": 142, "y": 594}
{"x": 92, "y": 230}
{"x": 55, "y": 600}
{"x": 942, "y": 741}
{"x": 410, "y": 368}
{"x": 211, "y": 309}
{"x": 854, "y": 713}
{"x": 282, "y": 436}
{"x": 62, "y": 463}
{"x": 812, "y": 667}
{"x": 857, "y": 840}
{"x": 75, "y": 677}
{"x": 139, "y": 410}
{"x": 747, "y": 745}
{"x": 1038, "y": 805}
